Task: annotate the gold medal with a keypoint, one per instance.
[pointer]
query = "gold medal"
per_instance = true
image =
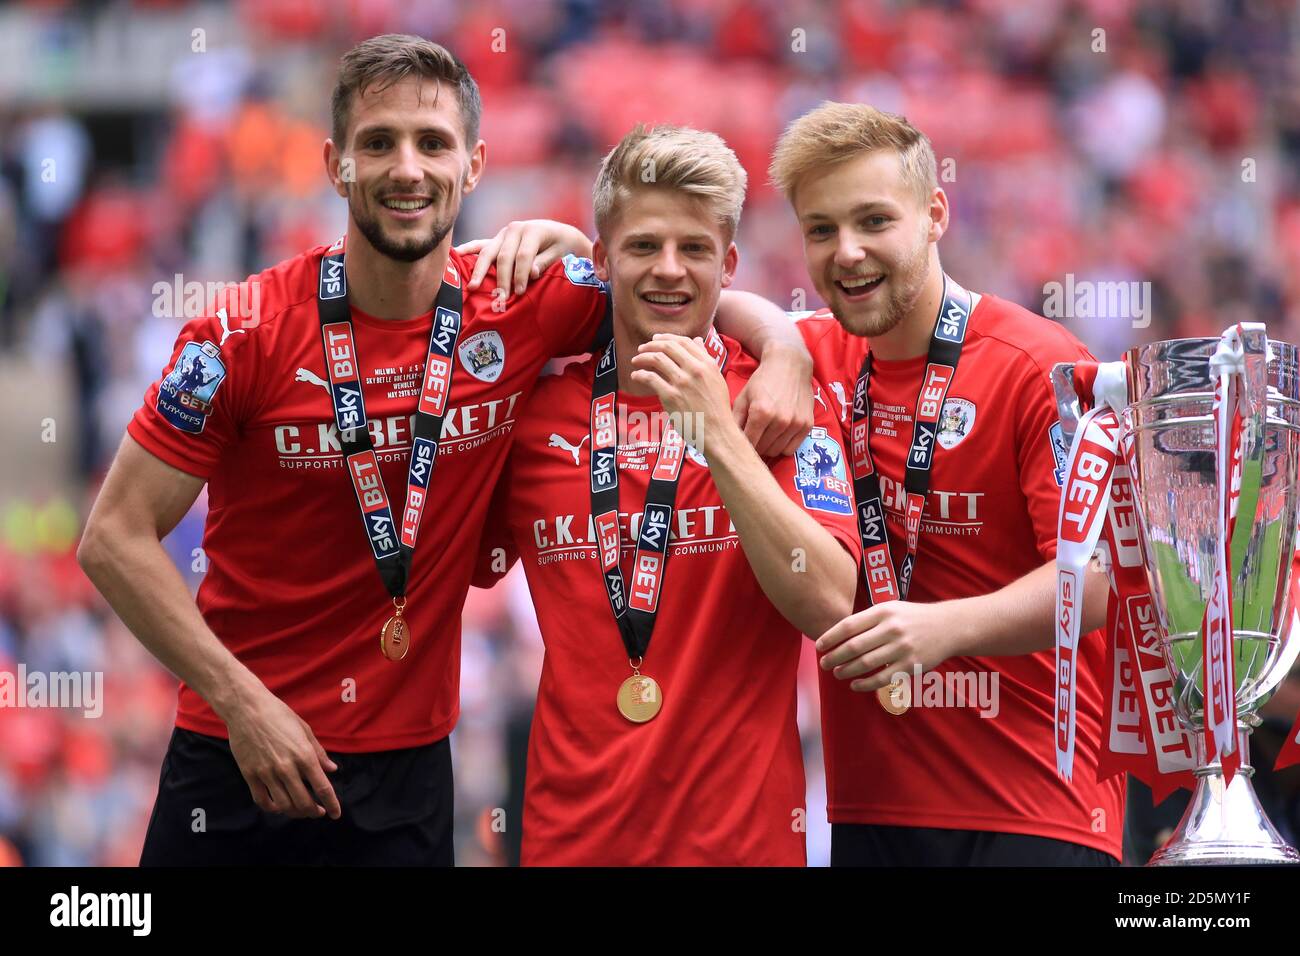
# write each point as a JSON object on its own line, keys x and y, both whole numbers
{"x": 395, "y": 636}
{"x": 639, "y": 698}
{"x": 895, "y": 697}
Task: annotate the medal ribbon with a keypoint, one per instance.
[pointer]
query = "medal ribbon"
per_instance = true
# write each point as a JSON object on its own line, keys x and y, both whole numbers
{"x": 393, "y": 545}
{"x": 941, "y": 365}
{"x": 634, "y": 611}
{"x": 1085, "y": 500}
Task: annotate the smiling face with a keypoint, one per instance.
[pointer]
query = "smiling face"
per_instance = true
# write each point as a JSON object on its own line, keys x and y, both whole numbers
{"x": 412, "y": 166}
{"x": 868, "y": 239}
{"x": 668, "y": 259}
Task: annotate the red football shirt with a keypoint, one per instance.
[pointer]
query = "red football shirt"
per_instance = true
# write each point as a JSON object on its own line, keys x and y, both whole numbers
{"x": 716, "y": 778}
{"x": 990, "y": 518}
{"x": 291, "y": 587}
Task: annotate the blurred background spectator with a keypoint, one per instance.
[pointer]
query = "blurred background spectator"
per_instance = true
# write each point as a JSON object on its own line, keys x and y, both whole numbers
{"x": 152, "y": 143}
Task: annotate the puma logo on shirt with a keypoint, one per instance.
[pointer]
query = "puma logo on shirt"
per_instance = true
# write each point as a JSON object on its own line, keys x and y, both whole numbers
{"x": 558, "y": 441}
{"x": 225, "y": 328}
{"x": 307, "y": 375}
{"x": 838, "y": 389}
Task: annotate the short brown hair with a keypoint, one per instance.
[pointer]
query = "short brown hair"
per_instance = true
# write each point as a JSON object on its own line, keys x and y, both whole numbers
{"x": 834, "y": 132}
{"x": 392, "y": 57}
{"x": 696, "y": 162}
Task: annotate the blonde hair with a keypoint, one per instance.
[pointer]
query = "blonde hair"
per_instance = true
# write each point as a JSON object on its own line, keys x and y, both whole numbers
{"x": 834, "y": 132}
{"x": 694, "y": 161}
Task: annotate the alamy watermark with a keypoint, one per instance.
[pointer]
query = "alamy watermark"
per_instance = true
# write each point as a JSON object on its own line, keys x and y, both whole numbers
{"x": 71, "y": 690}
{"x": 1087, "y": 299}
{"x": 637, "y": 427}
{"x": 133, "y": 911}
{"x": 237, "y": 304}
{"x": 977, "y": 689}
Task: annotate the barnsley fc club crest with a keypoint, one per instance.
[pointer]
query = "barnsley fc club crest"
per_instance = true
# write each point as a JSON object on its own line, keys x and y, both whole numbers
{"x": 955, "y": 421}
{"x": 483, "y": 355}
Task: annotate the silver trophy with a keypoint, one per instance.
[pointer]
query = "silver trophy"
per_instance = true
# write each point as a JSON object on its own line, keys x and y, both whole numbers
{"x": 1170, "y": 419}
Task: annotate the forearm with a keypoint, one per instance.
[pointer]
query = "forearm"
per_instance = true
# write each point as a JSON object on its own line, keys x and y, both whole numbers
{"x": 1021, "y": 617}
{"x": 140, "y": 583}
{"x": 758, "y": 325}
{"x": 800, "y": 566}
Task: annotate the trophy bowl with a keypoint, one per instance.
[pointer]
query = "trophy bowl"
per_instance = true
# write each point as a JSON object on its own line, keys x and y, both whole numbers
{"x": 1170, "y": 421}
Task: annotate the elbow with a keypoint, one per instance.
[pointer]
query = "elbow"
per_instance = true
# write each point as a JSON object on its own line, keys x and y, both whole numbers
{"x": 835, "y": 602}
{"x": 93, "y": 548}
{"x": 88, "y": 549}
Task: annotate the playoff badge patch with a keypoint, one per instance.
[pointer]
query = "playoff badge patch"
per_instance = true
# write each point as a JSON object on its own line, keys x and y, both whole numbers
{"x": 820, "y": 475}
{"x": 581, "y": 271}
{"x": 1056, "y": 436}
{"x": 185, "y": 395}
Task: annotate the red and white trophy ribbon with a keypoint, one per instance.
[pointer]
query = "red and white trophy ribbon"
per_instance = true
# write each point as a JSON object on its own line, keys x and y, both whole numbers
{"x": 1143, "y": 734}
{"x": 1228, "y": 365}
{"x": 1084, "y": 501}
{"x": 1162, "y": 752}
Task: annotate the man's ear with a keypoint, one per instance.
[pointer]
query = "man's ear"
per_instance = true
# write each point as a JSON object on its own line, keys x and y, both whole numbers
{"x": 938, "y": 212}
{"x": 477, "y": 160}
{"x": 729, "y": 263}
{"x": 335, "y": 169}
{"x": 600, "y": 260}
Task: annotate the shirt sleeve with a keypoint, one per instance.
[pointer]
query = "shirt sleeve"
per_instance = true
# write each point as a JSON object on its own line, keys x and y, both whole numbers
{"x": 195, "y": 409}
{"x": 1041, "y": 449}
{"x": 813, "y": 329}
{"x": 816, "y": 477}
{"x": 497, "y": 552}
{"x": 571, "y": 304}
{"x": 836, "y": 363}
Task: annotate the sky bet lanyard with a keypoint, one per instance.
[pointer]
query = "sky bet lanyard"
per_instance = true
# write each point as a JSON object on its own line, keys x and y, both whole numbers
{"x": 639, "y": 698}
{"x": 393, "y": 547}
{"x": 941, "y": 365}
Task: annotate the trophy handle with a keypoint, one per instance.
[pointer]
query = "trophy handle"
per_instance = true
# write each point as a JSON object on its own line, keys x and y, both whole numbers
{"x": 1067, "y": 400}
{"x": 1286, "y": 658}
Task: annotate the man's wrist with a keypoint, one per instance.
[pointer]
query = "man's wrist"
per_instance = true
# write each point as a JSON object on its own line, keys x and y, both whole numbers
{"x": 781, "y": 350}
{"x": 234, "y": 692}
{"x": 962, "y": 637}
{"x": 724, "y": 443}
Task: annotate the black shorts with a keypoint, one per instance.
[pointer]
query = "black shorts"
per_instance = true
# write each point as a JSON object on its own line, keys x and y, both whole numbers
{"x": 856, "y": 844}
{"x": 397, "y": 811}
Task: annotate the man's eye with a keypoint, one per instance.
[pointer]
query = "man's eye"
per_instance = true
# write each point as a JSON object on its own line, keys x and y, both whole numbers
{"x": 876, "y": 222}
{"x": 377, "y": 143}
{"x": 820, "y": 231}
{"x": 433, "y": 143}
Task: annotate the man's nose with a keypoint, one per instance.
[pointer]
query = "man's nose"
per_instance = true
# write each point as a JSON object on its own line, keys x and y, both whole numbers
{"x": 406, "y": 165}
{"x": 668, "y": 264}
{"x": 849, "y": 251}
